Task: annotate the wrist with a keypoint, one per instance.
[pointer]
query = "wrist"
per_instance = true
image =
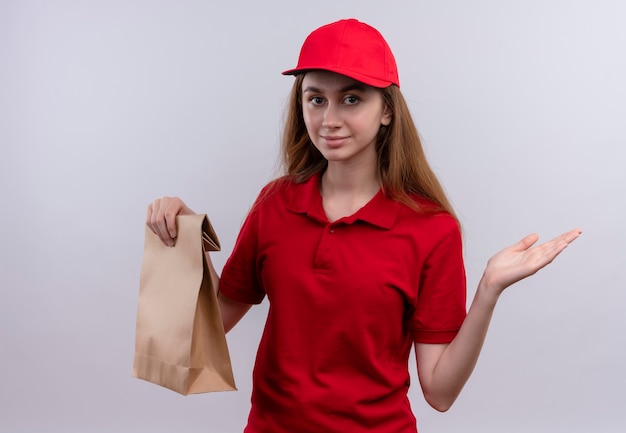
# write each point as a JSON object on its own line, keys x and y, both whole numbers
{"x": 487, "y": 292}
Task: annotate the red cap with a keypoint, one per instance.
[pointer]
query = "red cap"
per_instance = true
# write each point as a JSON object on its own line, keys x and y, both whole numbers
{"x": 352, "y": 48}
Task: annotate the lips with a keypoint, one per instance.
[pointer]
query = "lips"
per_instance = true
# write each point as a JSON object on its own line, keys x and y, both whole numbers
{"x": 334, "y": 141}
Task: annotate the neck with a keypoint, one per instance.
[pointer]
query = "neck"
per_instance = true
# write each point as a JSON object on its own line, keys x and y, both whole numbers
{"x": 355, "y": 181}
{"x": 345, "y": 191}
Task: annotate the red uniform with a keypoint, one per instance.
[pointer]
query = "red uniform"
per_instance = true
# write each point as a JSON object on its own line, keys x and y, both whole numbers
{"x": 347, "y": 300}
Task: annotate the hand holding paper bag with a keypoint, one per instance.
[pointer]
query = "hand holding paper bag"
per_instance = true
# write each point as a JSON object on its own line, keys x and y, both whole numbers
{"x": 180, "y": 341}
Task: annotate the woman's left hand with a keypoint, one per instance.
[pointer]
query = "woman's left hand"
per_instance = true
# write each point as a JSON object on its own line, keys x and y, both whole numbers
{"x": 521, "y": 260}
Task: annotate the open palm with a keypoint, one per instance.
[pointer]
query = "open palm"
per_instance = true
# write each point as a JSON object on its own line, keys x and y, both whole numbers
{"x": 521, "y": 260}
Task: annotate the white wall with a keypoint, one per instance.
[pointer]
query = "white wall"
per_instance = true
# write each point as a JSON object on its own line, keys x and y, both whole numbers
{"x": 106, "y": 105}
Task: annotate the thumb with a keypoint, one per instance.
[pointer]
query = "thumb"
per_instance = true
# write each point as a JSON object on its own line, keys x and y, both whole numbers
{"x": 526, "y": 242}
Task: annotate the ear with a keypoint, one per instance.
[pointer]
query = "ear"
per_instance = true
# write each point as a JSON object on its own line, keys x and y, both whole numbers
{"x": 385, "y": 120}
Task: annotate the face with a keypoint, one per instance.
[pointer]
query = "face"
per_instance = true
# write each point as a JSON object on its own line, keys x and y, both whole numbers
{"x": 342, "y": 117}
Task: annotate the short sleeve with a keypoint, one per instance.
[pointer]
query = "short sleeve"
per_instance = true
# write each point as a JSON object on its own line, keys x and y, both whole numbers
{"x": 441, "y": 301}
{"x": 240, "y": 279}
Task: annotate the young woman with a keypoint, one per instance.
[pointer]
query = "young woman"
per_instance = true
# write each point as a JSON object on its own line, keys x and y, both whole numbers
{"x": 359, "y": 253}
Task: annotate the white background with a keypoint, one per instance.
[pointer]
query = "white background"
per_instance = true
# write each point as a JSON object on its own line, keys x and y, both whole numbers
{"x": 106, "y": 105}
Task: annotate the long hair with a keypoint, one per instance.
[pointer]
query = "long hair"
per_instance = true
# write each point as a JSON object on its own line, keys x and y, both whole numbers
{"x": 402, "y": 166}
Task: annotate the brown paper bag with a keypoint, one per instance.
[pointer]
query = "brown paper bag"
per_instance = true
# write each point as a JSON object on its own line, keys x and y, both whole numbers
{"x": 180, "y": 341}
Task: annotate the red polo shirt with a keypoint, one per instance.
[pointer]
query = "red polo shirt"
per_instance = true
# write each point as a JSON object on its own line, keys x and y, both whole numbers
{"x": 347, "y": 299}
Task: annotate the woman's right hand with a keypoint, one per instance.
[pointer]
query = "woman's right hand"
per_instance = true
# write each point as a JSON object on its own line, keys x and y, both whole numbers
{"x": 161, "y": 217}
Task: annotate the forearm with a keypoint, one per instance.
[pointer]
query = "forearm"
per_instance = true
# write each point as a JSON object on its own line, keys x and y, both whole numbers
{"x": 444, "y": 369}
{"x": 443, "y": 379}
{"x": 231, "y": 311}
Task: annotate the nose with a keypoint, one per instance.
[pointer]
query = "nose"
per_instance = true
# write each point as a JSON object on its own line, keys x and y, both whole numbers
{"x": 332, "y": 117}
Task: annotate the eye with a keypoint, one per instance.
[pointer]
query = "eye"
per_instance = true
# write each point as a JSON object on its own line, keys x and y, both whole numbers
{"x": 316, "y": 100}
{"x": 351, "y": 100}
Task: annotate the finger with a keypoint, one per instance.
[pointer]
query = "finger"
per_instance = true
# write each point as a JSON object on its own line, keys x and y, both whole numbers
{"x": 161, "y": 223}
{"x": 526, "y": 242}
{"x": 558, "y": 244}
{"x": 571, "y": 235}
{"x": 152, "y": 215}
{"x": 149, "y": 216}
{"x": 158, "y": 222}
{"x": 170, "y": 221}
{"x": 548, "y": 251}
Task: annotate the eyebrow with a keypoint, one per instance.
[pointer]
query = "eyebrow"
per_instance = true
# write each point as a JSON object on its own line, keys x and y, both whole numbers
{"x": 348, "y": 88}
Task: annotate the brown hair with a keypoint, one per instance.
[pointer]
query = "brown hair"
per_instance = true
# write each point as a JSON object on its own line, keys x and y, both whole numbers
{"x": 402, "y": 166}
